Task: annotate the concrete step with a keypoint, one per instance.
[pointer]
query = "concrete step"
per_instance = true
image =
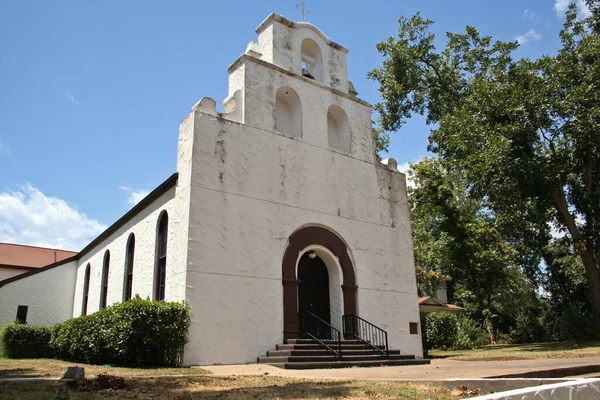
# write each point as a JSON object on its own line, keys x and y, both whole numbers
{"x": 324, "y": 352}
{"x": 317, "y": 346}
{"x": 311, "y": 341}
{"x": 346, "y": 364}
{"x": 331, "y": 358}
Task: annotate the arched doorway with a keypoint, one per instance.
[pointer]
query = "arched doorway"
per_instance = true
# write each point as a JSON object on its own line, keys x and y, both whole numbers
{"x": 313, "y": 291}
{"x": 299, "y": 242}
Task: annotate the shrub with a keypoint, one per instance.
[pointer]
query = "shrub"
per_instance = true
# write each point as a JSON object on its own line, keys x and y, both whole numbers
{"x": 441, "y": 330}
{"x": 528, "y": 328}
{"x": 26, "y": 341}
{"x": 136, "y": 332}
{"x": 573, "y": 323}
{"x": 470, "y": 334}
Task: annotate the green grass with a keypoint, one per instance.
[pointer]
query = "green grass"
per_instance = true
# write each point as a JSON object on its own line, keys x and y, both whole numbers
{"x": 50, "y": 368}
{"x": 235, "y": 387}
{"x": 523, "y": 351}
{"x": 159, "y": 383}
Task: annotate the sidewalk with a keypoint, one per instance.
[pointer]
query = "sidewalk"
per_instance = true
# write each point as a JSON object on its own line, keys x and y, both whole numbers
{"x": 439, "y": 369}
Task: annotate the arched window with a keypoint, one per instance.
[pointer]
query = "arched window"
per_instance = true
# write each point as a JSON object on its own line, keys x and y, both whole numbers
{"x": 129, "y": 267}
{"x": 312, "y": 60}
{"x": 104, "y": 288}
{"x": 288, "y": 112}
{"x": 338, "y": 130}
{"x": 86, "y": 290}
{"x": 161, "y": 257}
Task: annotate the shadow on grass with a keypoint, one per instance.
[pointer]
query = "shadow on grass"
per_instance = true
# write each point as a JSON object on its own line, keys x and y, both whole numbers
{"x": 20, "y": 373}
{"x": 241, "y": 387}
{"x": 264, "y": 387}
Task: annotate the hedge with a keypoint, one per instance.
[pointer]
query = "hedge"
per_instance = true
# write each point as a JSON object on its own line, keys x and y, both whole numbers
{"x": 26, "y": 341}
{"x": 134, "y": 333}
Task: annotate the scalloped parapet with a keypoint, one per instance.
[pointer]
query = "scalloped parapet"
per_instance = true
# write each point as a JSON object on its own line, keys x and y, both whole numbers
{"x": 297, "y": 45}
{"x": 298, "y": 25}
{"x": 207, "y": 105}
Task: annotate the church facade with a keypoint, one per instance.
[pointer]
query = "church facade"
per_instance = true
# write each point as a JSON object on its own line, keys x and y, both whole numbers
{"x": 279, "y": 206}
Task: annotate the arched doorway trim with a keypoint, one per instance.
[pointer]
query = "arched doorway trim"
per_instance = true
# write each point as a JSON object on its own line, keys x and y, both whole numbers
{"x": 298, "y": 242}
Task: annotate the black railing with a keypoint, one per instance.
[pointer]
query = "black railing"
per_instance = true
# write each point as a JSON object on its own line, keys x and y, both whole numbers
{"x": 313, "y": 327}
{"x": 357, "y": 328}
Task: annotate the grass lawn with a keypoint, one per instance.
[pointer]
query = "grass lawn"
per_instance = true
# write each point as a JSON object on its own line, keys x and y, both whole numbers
{"x": 50, "y": 368}
{"x": 522, "y": 351}
{"x": 144, "y": 384}
{"x": 235, "y": 387}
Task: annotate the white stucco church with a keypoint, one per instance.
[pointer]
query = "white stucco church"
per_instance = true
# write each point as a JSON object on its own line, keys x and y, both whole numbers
{"x": 279, "y": 208}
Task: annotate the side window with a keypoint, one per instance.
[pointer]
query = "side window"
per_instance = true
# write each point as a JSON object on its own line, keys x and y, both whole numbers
{"x": 161, "y": 257}
{"x": 86, "y": 290}
{"x": 104, "y": 287}
{"x": 22, "y": 314}
{"x": 129, "y": 267}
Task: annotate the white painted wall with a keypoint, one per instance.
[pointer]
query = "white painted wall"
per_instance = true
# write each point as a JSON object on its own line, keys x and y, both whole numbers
{"x": 144, "y": 227}
{"x": 280, "y": 42}
{"x": 49, "y": 295}
{"x": 261, "y": 85}
{"x": 251, "y": 188}
{"x": 6, "y": 273}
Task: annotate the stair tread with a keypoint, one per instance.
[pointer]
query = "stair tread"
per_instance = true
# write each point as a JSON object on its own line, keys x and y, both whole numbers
{"x": 348, "y": 364}
{"x": 331, "y": 358}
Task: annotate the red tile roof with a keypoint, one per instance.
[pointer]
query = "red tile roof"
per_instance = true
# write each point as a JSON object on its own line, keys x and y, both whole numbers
{"x": 17, "y": 255}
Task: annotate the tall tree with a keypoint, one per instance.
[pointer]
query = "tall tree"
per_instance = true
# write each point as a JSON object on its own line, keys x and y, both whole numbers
{"x": 454, "y": 234}
{"x": 525, "y": 133}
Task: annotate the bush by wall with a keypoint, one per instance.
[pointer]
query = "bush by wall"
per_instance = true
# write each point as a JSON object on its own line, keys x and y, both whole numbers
{"x": 442, "y": 330}
{"x": 26, "y": 341}
{"x": 135, "y": 333}
{"x": 470, "y": 334}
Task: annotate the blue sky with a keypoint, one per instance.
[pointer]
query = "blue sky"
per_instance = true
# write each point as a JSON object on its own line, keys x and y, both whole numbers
{"x": 92, "y": 92}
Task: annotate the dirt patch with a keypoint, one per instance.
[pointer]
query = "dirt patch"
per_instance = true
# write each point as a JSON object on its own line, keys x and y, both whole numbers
{"x": 499, "y": 358}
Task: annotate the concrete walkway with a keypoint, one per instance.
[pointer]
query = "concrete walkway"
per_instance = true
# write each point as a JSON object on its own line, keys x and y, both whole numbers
{"x": 439, "y": 369}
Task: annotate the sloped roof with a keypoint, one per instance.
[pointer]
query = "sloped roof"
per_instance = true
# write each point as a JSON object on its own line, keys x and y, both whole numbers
{"x": 19, "y": 256}
{"x": 431, "y": 304}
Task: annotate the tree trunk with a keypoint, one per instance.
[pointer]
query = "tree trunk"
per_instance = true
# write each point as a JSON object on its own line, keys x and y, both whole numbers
{"x": 581, "y": 247}
{"x": 591, "y": 271}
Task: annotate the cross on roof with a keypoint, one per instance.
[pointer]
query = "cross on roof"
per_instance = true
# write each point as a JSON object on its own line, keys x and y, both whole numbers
{"x": 303, "y": 10}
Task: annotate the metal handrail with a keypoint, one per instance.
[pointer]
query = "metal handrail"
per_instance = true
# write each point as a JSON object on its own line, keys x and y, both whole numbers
{"x": 319, "y": 330}
{"x": 367, "y": 333}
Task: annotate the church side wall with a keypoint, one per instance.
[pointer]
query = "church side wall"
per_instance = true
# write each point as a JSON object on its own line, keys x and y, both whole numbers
{"x": 144, "y": 227}
{"x": 47, "y": 293}
{"x": 251, "y": 189}
{"x": 6, "y": 273}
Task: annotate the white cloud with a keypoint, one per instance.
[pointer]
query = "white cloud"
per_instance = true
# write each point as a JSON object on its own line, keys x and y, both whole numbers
{"x": 4, "y": 150}
{"x": 532, "y": 16}
{"x": 528, "y": 36}
{"x": 72, "y": 98}
{"x": 28, "y": 216}
{"x": 561, "y": 7}
{"x": 135, "y": 195}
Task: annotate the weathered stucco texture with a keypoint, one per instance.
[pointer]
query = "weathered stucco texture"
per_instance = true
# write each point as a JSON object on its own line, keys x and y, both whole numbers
{"x": 6, "y": 273}
{"x": 48, "y": 294}
{"x": 251, "y": 189}
{"x": 252, "y": 186}
{"x": 144, "y": 227}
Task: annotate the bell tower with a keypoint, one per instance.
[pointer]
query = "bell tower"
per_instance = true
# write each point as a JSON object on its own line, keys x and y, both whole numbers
{"x": 294, "y": 81}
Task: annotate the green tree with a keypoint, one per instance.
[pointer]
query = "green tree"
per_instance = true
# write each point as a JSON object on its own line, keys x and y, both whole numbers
{"x": 454, "y": 234}
{"x": 525, "y": 134}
